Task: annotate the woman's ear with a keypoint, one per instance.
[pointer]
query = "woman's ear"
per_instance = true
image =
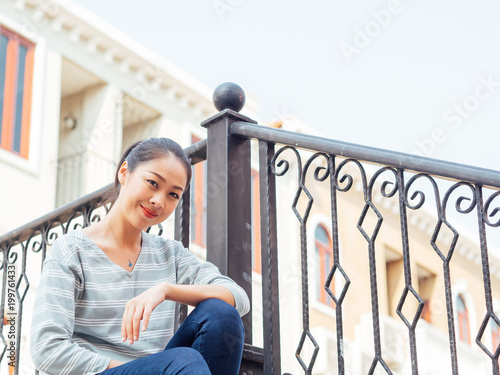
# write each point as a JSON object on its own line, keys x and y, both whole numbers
{"x": 123, "y": 172}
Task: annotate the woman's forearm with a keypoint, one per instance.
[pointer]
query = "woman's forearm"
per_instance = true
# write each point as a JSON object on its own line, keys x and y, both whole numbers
{"x": 194, "y": 294}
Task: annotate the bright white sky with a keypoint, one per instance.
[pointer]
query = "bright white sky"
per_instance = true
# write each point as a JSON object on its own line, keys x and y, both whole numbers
{"x": 390, "y": 74}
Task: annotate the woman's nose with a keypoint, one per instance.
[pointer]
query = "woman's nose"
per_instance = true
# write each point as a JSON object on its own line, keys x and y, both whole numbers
{"x": 157, "y": 201}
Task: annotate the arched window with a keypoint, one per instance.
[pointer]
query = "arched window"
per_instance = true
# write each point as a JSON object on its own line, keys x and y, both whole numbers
{"x": 324, "y": 263}
{"x": 463, "y": 320}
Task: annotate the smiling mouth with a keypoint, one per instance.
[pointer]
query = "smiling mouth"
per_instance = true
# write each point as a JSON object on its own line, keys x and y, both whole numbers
{"x": 148, "y": 213}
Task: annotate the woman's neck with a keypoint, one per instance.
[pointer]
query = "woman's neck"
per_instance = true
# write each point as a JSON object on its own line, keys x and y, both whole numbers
{"x": 123, "y": 233}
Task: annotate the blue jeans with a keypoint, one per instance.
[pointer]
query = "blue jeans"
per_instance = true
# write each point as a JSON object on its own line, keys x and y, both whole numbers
{"x": 209, "y": 341}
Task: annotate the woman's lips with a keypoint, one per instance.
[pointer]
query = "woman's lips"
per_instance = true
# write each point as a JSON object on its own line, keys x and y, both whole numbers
{"x": 148, "y": 213}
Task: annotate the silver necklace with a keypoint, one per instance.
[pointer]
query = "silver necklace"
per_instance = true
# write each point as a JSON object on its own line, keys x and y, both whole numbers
{"x": 130, "y": 264}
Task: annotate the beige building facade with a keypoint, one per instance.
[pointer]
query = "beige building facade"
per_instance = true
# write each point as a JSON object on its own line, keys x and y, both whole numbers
{"x": 90, "y": 91}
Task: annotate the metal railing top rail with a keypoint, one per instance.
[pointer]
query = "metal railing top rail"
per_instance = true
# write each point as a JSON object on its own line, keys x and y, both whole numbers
{"x": 409, "y": 162}
{"x": 60, "y": 214}
{"x": 196, "y": 152}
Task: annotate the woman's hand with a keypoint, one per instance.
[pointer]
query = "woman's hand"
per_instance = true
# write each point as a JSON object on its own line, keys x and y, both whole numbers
{"x": 140, "y": 308}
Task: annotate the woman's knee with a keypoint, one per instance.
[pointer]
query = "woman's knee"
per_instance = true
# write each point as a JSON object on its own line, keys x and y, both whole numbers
{"x": 186, "y": 361}
{"x": 223, "y": 315}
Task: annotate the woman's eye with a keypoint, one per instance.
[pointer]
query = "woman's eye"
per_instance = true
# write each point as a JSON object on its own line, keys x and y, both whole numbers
{"x": 175, "y": 195}
{"x": 153, "y": 183}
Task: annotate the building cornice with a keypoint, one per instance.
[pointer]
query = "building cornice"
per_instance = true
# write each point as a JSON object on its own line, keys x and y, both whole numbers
{"x": 101, "y": 40}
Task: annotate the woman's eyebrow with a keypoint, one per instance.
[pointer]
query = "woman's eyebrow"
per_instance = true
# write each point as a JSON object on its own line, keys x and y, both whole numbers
{"x": 157, "y": 175}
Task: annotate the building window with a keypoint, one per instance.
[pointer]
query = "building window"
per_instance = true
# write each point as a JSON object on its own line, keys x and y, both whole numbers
{"x": 256, "y": 249}
{"x": 426, "y": 311}
{"x": 324, "y": 263}
{"x": 495, "y": 334}
{"x": 426, "y": 281}
{"x": 394, "y": 268}
{"x": 198, "y": 202}
{"x": 16, "y": 77}
{"x": 463, "y": 320}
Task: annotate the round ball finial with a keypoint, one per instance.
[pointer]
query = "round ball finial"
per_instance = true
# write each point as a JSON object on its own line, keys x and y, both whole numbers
{"x": 229, "y": 95}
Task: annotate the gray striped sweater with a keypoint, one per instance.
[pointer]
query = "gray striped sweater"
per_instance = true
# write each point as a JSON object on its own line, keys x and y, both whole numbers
{"x": 76, "y": 327}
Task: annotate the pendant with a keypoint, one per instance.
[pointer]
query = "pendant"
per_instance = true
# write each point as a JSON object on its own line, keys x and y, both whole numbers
{"x": 130, "y": 263}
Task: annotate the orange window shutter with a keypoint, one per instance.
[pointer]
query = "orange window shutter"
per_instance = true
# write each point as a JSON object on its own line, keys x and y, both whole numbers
{"x": 11, "y": 101}
{"x": 197, "y": 199}
{"x": 199, "y": 203}
{"x": 256, "y": 224}
{"x": 9, "y": 95}
{"x": 28, "y": 86}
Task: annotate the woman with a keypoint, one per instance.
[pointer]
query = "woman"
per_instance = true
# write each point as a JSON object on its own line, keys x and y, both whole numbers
{"x": 106, "y": 299}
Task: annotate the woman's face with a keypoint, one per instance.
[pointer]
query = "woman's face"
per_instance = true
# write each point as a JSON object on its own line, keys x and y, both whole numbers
{"x": 150, "y": 193}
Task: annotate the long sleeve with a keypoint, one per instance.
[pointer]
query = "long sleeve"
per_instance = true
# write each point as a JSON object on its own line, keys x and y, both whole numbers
{"x": 191, "y": 271}
{"x": 76, "y": 326}
{"x": 53, "y": 350}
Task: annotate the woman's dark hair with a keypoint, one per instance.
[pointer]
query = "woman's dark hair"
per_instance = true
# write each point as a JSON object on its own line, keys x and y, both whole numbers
{"x": 150, "y": 149}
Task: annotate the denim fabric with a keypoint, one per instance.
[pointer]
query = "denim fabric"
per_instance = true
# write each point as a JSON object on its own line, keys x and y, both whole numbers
{"x": 209, "y": 341}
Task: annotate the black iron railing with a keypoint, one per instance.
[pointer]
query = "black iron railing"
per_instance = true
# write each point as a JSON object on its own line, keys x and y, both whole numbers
{"x": 395, "y": 174}
{"x": 412, "y": 183}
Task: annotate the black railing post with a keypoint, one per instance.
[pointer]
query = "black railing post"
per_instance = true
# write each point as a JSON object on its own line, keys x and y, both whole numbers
{"x": 269, "y": 249}
{"x": 181, "y": 233}
{"x": 229, "y": 231}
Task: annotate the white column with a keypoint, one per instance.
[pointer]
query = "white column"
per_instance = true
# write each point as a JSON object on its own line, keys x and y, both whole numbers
{"x": 89, "y": 152}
